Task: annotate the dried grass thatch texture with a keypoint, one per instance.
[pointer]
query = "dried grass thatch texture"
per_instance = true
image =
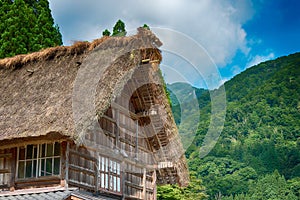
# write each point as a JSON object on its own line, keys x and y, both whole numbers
{"x": 36, "y": 99}
{"x": 77, "y": 48}
{"x": 36, "y": 89}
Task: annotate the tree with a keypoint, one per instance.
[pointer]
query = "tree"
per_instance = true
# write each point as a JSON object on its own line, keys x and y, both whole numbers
{"x": 119, "y": 29}
{"x": 26, "y": 26}
{"x": 16, "y": 29}
{"x": 272, "y": 186}
{"x": 195, "y": 189}
{"x": 106, "y": 33}
{"x": 46, "y": 33}
{"x": 145, "y": 26}
{"x": 169, "y": 192}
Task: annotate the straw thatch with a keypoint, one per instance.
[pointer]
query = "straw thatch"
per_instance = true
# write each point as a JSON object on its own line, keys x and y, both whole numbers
{"x": 37, "y": 90}
{"x": 77, "y": 48}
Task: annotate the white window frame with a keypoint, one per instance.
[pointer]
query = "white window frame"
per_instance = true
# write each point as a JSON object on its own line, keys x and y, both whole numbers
{"x": 110, "y": 174}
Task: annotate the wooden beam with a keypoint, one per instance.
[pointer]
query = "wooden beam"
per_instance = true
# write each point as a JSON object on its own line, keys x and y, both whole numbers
{"x": 154, "y": 61}
{"x": 108, "y": 152}
{"x": 131, "y": 129}
{"x": 146, "y": 60}
{"x": 6, "y": 155}
{"x": 133, "y": 185}
{"x": 131, "y": 144}
{"x": 81, "y": 169}
{"x": 4, "y": 171}
{"x": 85, "y": 156}
{"x": 144, "y": 184}
{"x": 124, "y": 111}
{"x": 109, "y": 118}
{"x": 81, "y": 185}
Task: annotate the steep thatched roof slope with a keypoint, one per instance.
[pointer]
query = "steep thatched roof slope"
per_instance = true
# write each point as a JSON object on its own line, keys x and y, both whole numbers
{"x": 36, "y": 89}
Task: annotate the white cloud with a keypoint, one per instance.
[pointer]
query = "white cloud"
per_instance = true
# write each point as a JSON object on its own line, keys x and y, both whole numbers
{"x": 216, "y": 25}
{"x": 224, "y": 80}
{"x": 236, "y": 70}
{"x": 260, "y": 58}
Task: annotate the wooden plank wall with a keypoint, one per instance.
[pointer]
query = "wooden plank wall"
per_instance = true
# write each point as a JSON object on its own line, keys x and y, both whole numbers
{"x": 124, "y": 130}
{"x": 82, "y": 168}
{"x": 84, "y": 172}
{"x": 5, "y": 169}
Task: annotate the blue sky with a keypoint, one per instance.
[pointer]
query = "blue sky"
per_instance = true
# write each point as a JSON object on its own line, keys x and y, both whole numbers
{"x": 235, "y": 34}
{"x": 273, "y": 31}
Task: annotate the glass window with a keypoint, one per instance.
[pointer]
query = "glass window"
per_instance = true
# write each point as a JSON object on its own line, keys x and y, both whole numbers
{"x": 110, "y": 176}
{"x": 38, "y": 160}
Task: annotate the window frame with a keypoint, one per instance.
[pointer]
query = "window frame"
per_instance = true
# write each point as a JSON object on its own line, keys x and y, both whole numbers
{"x": 37, "y": 157}
{"x": 110, "y": 178}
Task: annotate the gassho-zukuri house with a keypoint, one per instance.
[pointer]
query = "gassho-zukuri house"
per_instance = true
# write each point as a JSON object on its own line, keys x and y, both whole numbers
{"x": 89, "y": 121}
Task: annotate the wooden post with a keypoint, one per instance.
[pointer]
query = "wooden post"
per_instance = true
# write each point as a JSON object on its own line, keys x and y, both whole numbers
{"x": 137, "y": 139}
{"x": 117, "y": 132}
{"x": 13, "y": 169}
{"x": 144, "y": 184}
{"x": 97, "y": 174}
{"x": 123, "y": 175}
{"x": 154, "y": 184}
{"x": 67, "y": 166}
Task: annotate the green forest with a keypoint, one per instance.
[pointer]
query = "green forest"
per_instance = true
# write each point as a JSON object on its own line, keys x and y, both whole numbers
{"x": 258, "y": 153}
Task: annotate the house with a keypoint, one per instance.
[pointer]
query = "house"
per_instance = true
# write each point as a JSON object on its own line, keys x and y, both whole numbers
{"x": 89, "y": 121}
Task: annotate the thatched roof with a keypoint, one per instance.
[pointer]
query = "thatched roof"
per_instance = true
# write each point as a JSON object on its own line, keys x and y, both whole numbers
{"x": 37, "y": 90}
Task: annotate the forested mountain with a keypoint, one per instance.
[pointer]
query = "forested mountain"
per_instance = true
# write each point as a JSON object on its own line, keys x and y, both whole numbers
{"x": 26, "y": 26}
{"x": 258, "y": 153}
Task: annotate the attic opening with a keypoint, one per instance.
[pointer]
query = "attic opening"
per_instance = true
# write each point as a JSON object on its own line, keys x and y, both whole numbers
{"x": 150, "y": 55}
{"x": 142, "y": 102}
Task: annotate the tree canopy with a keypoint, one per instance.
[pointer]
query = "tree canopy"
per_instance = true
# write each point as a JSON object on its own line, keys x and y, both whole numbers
{"x": 106, "y": 33}
{"x": 26, "y": 26}
{"x": 119, "y": 29}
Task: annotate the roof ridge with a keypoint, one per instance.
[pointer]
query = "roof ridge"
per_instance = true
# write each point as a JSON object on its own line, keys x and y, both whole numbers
{"x": 78, "y": 48}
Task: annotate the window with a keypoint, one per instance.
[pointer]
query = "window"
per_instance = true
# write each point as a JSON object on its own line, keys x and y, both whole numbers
{"x": 110, "y": 178}
{"x": 38, "y": 160}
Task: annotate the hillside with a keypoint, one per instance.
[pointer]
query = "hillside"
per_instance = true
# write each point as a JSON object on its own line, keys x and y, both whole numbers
{"x": 258, "y": 153}
{"x": 189, "y": 106}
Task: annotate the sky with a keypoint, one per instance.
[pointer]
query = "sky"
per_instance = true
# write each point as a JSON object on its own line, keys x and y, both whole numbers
{"x": 233, "y": 34}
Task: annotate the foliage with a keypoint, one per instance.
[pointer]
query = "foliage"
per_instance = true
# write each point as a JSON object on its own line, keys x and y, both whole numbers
{"x": 119, "y": 29}
{"x": 169, "y": 192}
{"x": 145, "y": 26}
{"x": 271, "y": 186}
{"x": 223, "y": 174}
{"x": 106, "y": 33}
{"x": 194, "y": 190}
{"x": 261, "y": 133}
{"x": 26, "y": 26}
